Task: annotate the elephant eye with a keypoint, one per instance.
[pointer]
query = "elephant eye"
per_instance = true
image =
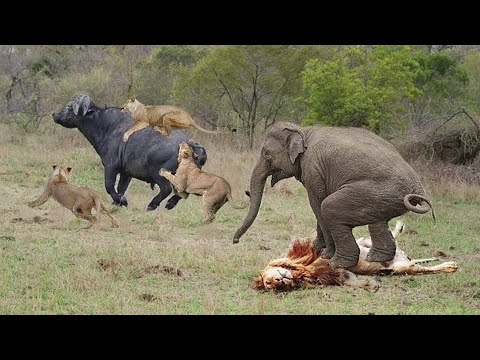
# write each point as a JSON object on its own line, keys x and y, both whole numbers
{"x": 267, "y": 155}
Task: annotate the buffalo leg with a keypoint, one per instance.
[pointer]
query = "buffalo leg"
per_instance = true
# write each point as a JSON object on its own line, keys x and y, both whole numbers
{"x": 165, "y": 190}
{"x": 172, "y": 202}
{"x": 110, "y": 179}
{"x": 122, "y": 188}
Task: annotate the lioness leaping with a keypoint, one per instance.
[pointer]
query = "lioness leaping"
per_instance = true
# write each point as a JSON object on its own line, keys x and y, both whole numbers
{"x": 189, "y": 179}
{"x": 163, "y": 118}
{"x": 304, "y": 266}
{"x": 80, "y": 200}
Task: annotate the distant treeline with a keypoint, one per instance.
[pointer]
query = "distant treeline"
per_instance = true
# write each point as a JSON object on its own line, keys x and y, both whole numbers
{"x": 423, "y": 98}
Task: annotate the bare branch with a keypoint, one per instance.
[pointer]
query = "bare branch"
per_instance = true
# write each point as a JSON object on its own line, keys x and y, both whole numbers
{"x": 473, "y": 121}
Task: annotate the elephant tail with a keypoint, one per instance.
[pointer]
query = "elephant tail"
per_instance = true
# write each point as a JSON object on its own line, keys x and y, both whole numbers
{"x": 422, "y": 201}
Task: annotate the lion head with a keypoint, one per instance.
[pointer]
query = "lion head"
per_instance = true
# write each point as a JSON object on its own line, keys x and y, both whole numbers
{"x": 184, "y": 151}
{"x": 300, "y": 267}
{"x": 131, "y": 106}
{"x": 60, "y": 173}
{"x": 274, "y": 278}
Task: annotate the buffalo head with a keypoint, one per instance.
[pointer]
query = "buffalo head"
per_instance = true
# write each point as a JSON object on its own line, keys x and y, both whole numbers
{"x": 69, "y": 115}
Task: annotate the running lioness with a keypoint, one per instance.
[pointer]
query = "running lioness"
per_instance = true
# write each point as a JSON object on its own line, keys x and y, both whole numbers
{"x": 80, "y": 200}
{"x": 163, "y": 118}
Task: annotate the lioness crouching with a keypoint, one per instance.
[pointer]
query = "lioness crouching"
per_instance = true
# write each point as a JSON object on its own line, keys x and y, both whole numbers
{"x": 189, "y": 179}
{"x": 163, "y": 118}
{"x": 80, "y": 200}
{"x": 303, "y": 266}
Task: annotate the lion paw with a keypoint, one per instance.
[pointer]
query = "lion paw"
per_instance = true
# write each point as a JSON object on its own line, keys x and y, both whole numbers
{"x": 371, "y": 285}
{"x": 162, "y": 172}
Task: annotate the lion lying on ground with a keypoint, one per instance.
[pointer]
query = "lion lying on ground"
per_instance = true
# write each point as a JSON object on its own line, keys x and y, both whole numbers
{"x": 80, "y": 200}
{"x": 189, "y": 179}
{"x": 163, "y": 118}
{"x": 303, "y": 266}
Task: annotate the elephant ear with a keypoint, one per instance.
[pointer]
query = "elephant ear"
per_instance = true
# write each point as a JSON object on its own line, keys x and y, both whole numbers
{"x": 296, "y": 144}
{"x": 81, "y": 105}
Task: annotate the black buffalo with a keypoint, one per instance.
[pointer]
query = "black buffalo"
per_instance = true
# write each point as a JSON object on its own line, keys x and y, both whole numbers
{"x": 141, "y": 157}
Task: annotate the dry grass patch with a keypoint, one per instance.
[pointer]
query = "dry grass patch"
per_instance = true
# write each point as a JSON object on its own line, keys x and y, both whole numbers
{"x": 167, "y": 262}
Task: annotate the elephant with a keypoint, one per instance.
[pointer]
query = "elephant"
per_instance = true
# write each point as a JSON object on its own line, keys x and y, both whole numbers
{"x": 352, "y": 177}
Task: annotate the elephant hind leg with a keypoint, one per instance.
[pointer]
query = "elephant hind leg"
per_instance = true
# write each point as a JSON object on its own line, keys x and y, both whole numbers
{"x": 357, "y": 204}
{"x": 383, "y": 244}
{"x": 324, "y": 241}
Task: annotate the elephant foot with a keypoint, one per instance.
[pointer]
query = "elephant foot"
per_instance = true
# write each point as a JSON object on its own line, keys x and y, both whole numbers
{"x": 327, "y": 253}
{"x": 340, "y": 261}
{"x": 380, "y": 255}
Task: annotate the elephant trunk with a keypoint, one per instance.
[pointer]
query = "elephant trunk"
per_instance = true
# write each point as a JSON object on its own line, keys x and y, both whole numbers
{"x": 257, "y": 184}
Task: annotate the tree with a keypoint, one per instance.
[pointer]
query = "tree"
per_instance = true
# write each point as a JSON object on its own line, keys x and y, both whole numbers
{"x": 360, "y": 86}
{"x": 254, "y": 84}
{"x": 158, "y": 71}
{"x": 26, "y": 70}
{"x": 438, "y": 123}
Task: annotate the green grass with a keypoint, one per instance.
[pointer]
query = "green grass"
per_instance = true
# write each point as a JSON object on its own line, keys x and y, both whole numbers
{"x": 51, "y": 265}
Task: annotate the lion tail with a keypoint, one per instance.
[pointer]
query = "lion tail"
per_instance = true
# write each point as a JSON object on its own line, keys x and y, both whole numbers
{"x": 98, "y": 205}
{"x": 198, "y": 127}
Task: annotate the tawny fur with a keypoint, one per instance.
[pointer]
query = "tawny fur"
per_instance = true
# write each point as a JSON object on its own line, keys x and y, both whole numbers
{"x": 79, "y": 200}
{"x": 303, "y": 266}
{"x": 189, "y": 179}
{"x": 163, "y": 118}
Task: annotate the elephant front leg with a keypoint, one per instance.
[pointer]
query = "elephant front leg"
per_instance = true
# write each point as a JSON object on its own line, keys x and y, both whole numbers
{"x": 110, "y": 179}
{"x": 323, "y": 242}
{"x": 383, "y": 243}
{"x": 339, "y": 222}
{"x": 329, "y": 251}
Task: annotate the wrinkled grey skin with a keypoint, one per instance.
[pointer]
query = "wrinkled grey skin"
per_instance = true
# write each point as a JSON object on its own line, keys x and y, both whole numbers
{"x": 352, "y": 176}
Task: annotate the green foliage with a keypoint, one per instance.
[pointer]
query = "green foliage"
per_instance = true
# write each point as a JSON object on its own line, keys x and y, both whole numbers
{"x": 388, "y": 89}
{"x": 439, "y": 75}
{"x": 360, "y": 86}
{"x": 250, "y": 85}
{"x": 158, "y": 71}
{"x": 175, "y": 54}
{"x": 472, "y": 68}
